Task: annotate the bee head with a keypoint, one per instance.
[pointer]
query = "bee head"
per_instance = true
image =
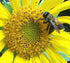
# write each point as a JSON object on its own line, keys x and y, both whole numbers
{"x": 45, "y": 14}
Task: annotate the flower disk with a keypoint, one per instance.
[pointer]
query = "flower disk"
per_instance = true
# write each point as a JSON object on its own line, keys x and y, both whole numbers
{"x": 25, "y": 33}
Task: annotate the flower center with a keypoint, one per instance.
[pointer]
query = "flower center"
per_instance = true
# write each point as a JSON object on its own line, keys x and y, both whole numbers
{"x": 25, "y": 34}
{"x": 31, "y": 32}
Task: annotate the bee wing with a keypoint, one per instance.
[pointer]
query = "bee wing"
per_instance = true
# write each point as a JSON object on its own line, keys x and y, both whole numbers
{"x": 62, "y": 26}
{"x": 55, "y": 26}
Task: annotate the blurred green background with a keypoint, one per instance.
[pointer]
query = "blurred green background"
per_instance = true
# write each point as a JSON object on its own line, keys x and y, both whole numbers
{"x": 67, "y": 27}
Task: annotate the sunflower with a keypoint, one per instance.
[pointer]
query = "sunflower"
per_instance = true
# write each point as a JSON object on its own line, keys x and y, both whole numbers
{"x": 24, "y": 37}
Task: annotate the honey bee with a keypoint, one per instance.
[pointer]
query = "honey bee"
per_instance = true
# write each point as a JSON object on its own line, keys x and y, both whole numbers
{"x": 49, "y": 18}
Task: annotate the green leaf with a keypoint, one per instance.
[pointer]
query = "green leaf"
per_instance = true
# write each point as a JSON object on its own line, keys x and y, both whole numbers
{"x": 20, "y": 3}
{"x": 14, "y": 57}
{"x": 4, "y": 49}
{"x": 40, "y": 3}
{"x": 1, "y": 28}
{"x": 8, "y": 6}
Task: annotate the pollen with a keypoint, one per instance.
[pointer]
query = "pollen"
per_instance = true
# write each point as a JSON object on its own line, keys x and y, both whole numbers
{"x": 25, "y": 33}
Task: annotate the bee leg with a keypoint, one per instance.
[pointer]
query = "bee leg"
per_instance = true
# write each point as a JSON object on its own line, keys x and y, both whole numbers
{"x": 47, "y": 27}
{"x": 45, "y": 22}
{"x": 41, "y": 19}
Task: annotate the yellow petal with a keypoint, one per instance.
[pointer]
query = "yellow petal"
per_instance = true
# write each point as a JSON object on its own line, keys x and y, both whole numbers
{"x": 2, "y": 45}
{"x": 1, "y": 35}
{"x": 63, "y": 39}
{"x": 43, "y": 58}
{"x": 60, "y": 42}
{"x": 34, "y": 3}
{"x": 7, "y": 57}
{"x": 54, "y": 57}
{"x": 68, "y": 56}
{"x": 35, "y": 60}
{"x": 1, "y": 23}
{"x": 61, "y": 48}
{"x": 32, "y": 60}
{"x": 15, "y": 4}
{"x": 61, "y": 7}
{"x": 49, "y": 4}
{"x": 64, "y": 19}
{"x": 25, "y": 3}
{"x": 63, "y": 34}
{"x": 4, "y": 13}
{"x": 19, "y": 59}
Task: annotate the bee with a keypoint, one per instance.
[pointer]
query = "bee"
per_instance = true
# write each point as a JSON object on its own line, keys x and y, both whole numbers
{"x": 53, "y": 22}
